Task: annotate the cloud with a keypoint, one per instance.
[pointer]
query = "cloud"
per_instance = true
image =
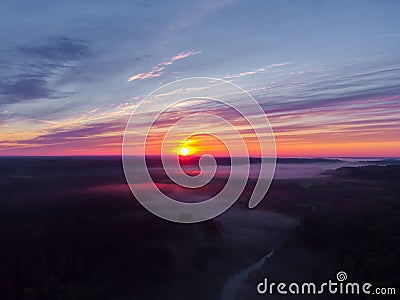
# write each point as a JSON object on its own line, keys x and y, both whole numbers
{"x": 355, "y": 84}
{"x": 58, "y": 50}
{"x": 86, "y": 132}
{"x": 355, "y": 102}
{"x": 25, "y": 88}
{"x": 31, "y": 68}
{"x": 257, "y": 71}
{"x": 158, "y": 70}
{"x": 390, "y": 35}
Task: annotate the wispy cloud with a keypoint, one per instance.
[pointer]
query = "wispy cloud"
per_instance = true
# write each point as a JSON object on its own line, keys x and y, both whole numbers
{"x": 158, "y": 70}
{"x": 390, "y": 35}
{"x": 347, "y": 108}
{"x": 32, "y": 68}
{"x": 256, "y": 71}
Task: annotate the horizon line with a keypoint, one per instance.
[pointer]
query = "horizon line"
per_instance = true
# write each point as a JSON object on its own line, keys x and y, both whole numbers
{"x": 278, "y": 157}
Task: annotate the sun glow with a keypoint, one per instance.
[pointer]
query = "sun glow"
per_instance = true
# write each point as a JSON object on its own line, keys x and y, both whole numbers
{"x": 184, "y": 151}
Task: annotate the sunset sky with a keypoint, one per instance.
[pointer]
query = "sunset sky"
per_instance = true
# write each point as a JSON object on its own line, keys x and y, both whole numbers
{"x": 326, "y": 73}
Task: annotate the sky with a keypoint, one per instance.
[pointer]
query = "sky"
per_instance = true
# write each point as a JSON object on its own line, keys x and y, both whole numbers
{"x": 326, "y": 73}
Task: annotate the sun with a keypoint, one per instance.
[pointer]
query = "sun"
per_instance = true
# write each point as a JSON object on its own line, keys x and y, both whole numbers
{"x": 186, "y": 148}
{"x": 184, "y": 151}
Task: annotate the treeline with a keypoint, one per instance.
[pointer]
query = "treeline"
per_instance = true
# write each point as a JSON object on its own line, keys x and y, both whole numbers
{"x": 359, "y": 220}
